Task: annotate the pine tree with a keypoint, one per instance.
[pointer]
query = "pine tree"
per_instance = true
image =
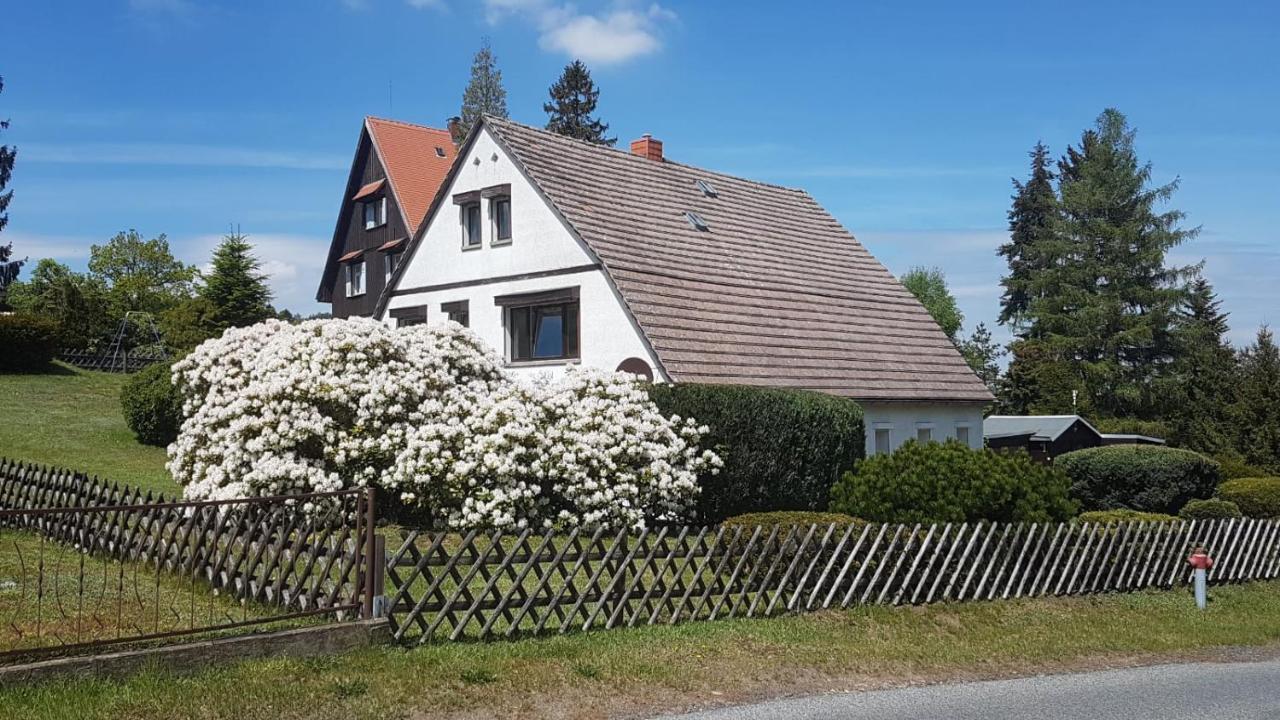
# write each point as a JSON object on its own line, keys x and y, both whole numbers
{"x": 1257, "y": 412}
{"x": 9, "y": 267}
{"x": 235, "y": 287}
{"x": 484, "y": 94}
{"x": 1102, "y": 298}
{"x": 1031, "y": 217}
{"x": 1201, "y": 389}
{"x": 573, "y": 98}
{"x": 983, "y": 356}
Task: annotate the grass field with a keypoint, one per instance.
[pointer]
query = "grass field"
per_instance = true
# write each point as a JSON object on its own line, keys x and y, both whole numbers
{"x": 635, "y": 672}
{"x": 71, "y": 418}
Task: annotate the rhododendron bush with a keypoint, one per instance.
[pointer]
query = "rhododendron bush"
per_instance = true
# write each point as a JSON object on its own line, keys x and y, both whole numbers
{"x": 429, "y": 415}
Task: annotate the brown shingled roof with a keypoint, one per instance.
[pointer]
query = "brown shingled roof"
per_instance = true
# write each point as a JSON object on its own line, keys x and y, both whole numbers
{"x": 776, "y": 292}
{"x": 410, "y": 154}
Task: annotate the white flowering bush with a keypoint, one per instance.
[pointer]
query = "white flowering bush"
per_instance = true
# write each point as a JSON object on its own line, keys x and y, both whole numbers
{"x": 428, "y": 415}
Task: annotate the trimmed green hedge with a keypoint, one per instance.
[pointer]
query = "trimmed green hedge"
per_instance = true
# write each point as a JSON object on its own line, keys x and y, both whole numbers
{"x": 949, "y": 482}
{"x": 782, "y": 449}
{"x": 27, "y": 342}
{"x": 1130, "y": 426}
{"x": 1211, "y": 509}
{"x": 1121, "y": 515}
{"x": 791, "y": 518}
{"x": 152, "y": 408}
{"x": 1149, "y": 478}
{"x": 1256, "y": 497}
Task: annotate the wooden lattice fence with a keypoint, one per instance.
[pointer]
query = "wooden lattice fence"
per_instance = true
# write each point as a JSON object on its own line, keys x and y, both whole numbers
{"x": 110, "y": 361}
{"x": 482, "y": 585}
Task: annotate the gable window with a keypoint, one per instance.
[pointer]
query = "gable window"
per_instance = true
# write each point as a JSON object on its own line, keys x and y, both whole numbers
{"x": 406, "y": 316}
{"x": 884, "y": 440}
{"x": 375, "y": 213}
{"x": 500, "y": 210}
{"x": 541, "y": 326}
{"x": 390, "y": 262}
{"x": 355, "y": 278}
{"x": 471, "y": 225}
{"x": 459, "y": 312}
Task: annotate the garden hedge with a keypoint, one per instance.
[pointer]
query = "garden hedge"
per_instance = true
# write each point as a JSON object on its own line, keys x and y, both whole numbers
{"x": 1256, "y": 497}
{"x": 1148, "y": 478}
{"x": 27, "y": 342}
{"x": 790, "y": 518}
{"x": 1121, "y": 515}
{"x": 152, "y": 408}
{"x": 782, "y": 449}
{"x": 1211, "y": 509}
{"x": 949, "y": 482}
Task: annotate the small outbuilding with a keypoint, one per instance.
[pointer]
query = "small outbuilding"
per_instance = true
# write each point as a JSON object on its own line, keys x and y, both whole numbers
{"x": 1045, "y": 437}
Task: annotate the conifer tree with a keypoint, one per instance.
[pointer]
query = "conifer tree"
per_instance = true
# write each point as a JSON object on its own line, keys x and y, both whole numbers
{"x": 573, "y": 99}
{"x": 9, "y": 267}
{"x": 235, "y": 288}
{"x": 983, "y": 356}
{"x": 484, "y": 94}
{"x": 1031, "y": 219}
{"x": 1201, "y": 389}
{"x": 1257, "y": 412}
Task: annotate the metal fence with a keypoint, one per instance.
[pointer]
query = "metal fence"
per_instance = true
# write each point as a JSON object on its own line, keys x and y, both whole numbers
{"x": 483, "y": 585}
{"x": 109, "y": 361}
{"x": 83, "y": 563}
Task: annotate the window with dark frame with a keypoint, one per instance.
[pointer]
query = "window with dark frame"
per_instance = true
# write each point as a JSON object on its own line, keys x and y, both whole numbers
{"x": 459, "y": 312}
{"x": 471, "y": 225}
{"x": 406, "y": 316}
{"x": 543, "y": 332}
{"x": 500, "y": 208}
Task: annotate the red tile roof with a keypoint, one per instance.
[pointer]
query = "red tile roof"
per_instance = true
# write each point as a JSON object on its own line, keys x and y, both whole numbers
{"x": 411, "y": 156}
{"x": 369, "y": 189}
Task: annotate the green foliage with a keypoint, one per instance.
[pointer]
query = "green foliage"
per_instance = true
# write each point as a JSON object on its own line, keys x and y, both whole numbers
{"x": 484, "y": 94}
{"x": 983, "y": 356}
{"x": 782, "y": 448}
{"x": 1210, "y": 509}
{"x": 76, "y": 302}
{"x": 1149, "y": 478}
{"x": 1257, "y": 413}
{"x": 929, "y": 285}
{"x": 8, "y": 266}
{"x": 152, "y": 408}
{"x": 189, "y": 323}
{"x": 234, "y": 287}
{"x": 1256, "y": 497}
{"x": 27, "y": 342}
{"x": 573, "y": 98}
{"x": 1031, "y": 218}
{"x": 1234, "y": 466}
{"x": 790, "y": 518}
{"x": 1131, "y": 426}
{"x": 949, "y": 482}
{"x": 140, "y": 274}
{"x": 1120, "y": 515}
{"x": 1201, "y": 389}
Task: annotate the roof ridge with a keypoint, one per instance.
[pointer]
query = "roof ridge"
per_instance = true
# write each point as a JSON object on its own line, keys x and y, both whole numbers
{"x": 627, "y": 153}
{"x": 404, "y": 123}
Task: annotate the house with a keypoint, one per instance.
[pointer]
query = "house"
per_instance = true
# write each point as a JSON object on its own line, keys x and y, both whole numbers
{"x": 1047, "y": 436}
{"x": 557, "y": 251}
{"x": 396, "y": 171}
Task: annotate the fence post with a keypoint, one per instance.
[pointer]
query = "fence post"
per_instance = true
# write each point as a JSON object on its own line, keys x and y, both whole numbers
{"x": 373, "y": 569}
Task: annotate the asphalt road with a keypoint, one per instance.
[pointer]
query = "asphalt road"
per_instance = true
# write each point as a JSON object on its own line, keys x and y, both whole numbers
{"x": 1221, "y": 691}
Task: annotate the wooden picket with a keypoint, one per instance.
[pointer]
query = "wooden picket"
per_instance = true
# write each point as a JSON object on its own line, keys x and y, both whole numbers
{"x": 490, "y": 584}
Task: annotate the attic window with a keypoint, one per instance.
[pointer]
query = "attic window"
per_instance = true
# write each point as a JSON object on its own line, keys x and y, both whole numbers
{"x": 707, "y": 189}
{"x": 439, "y": 151}
{"x": 696, "y": 221}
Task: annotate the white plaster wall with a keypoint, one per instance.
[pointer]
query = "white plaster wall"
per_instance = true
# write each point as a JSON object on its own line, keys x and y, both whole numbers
{"x": 539, "y": 243}
{"x": 903, "y": 418}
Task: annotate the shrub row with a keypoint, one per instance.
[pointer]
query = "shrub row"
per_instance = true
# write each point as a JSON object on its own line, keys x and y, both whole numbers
{"x": 1139, "y": 477}
{"x": 782, "y": 449}
{"x": 1256, "y": 497}
{"x": 27, "y": 342}
{"x": 152, "y": 408}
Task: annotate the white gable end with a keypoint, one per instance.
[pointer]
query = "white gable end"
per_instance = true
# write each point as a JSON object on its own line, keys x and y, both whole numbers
{"x": 447, "y": 272}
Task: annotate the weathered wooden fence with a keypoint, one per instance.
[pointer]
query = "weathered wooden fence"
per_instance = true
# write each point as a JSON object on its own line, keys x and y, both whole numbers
{"x": 302, "y": 555}
{"x": 482, "y": 585}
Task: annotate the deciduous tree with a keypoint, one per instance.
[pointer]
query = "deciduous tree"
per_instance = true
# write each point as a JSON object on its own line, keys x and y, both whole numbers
{"x": 929, "y": 285}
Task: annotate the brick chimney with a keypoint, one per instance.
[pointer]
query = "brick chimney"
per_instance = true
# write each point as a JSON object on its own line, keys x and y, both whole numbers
{"x": 454, "y": 124}
{"x": 647, "y": 147}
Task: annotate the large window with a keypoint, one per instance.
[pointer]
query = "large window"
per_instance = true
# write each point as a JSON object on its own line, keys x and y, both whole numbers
{"x": 543, "y": 332}
{"x": 355, "y": 278}
{"x": 471, "y": 225}
{"x": 406, "y": 316}
{"x": 375, "y": 213}
{"x": 459, "y": 312}
{"x": 500, "y": 209}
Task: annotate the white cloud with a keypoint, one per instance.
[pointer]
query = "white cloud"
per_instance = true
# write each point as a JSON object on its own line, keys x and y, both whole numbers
{"x": 33, "y": 247}
{"x": 613, "y": 36}
{"x": 178, "y": 154}
{"x": 292, "y": 264}
{"x": 427, "y": 4}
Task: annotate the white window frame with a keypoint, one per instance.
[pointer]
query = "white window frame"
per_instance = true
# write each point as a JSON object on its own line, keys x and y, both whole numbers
{"x": 389, "y": 263}
{"x": 968, "y": 433}
{"x": 355, "y": 281}
{"x": 887, "y": 429}
{"x": 379, "y": 213}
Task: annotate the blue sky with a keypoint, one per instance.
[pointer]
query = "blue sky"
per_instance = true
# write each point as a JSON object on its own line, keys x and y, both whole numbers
{"x": 906, "y": 120}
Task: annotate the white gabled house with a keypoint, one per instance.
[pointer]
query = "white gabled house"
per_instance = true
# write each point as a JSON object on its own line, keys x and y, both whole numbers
{"x": 557, "y": 251}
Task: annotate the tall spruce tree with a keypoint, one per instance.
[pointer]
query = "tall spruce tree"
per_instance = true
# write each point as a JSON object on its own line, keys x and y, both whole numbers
{"x": 484, "y": 94}
{"x": 1257, "y": 411}
{"x": 9, "y": 267}
{"x": 573, "y": 99}
{"x": 1102, "y": 300}
{"x": 235, "y": 288}
{"x": 1201, "y": 389}
{"x": 983, "y": 354}
{"x": 1031, "y": 216}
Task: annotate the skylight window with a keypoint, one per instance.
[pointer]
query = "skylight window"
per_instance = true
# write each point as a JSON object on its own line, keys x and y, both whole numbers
{"x": 439, "y": 151}
{"x": 707, "y": 188}
{"x": 696, "y": 221}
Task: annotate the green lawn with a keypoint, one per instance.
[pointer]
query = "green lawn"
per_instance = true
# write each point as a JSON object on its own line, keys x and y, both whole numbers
{"x": 645, "y": 670}
{"x": 71, "y": 418}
